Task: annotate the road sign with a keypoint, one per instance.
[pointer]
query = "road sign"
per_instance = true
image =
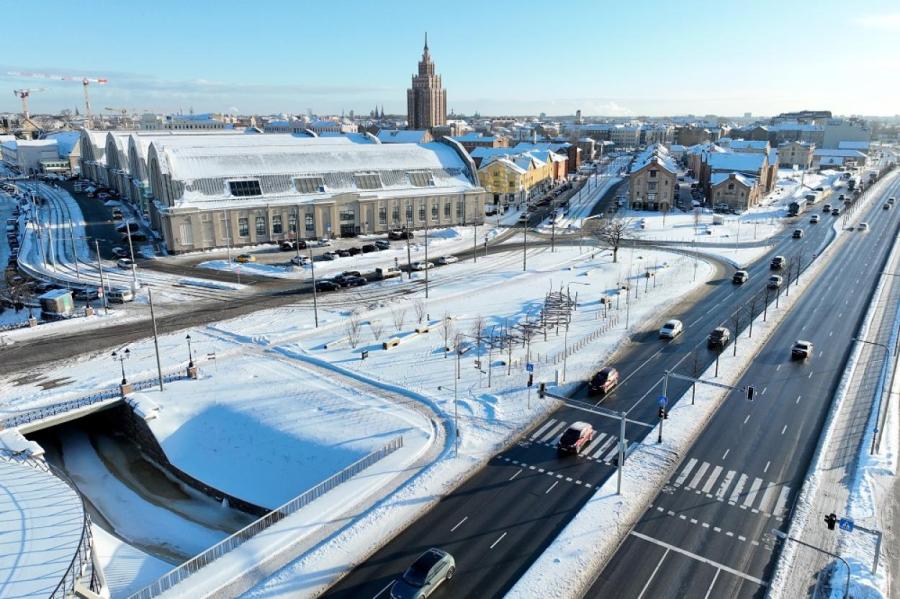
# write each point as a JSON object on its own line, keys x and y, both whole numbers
{"x": 529, "y": 367}
{"x": 662, "y": 401}
{"x": 846, "y": 524}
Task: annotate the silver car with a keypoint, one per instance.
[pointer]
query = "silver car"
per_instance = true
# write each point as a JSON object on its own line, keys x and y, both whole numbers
{"x": 425, "y": 575}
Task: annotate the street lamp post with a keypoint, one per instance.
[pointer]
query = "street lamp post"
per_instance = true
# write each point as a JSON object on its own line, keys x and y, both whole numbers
{"x": 880, "y": 394}
{"x": 120, "y": 357}
{"x": 190, "y": 353}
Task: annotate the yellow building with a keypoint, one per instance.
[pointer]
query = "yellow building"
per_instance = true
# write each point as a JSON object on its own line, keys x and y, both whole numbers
{"x": 514, "y": 179}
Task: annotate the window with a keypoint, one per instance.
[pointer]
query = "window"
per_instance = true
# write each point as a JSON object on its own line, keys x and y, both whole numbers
{"x": 395, "y": 215}
{"x": 731, "y": 187}
{"x": 367, "y": 181}
{"x": 309, "y": 184}
{"x": 292, "y": 223}
{"x": 651, "y": 185}
{"x": 653, "y": 174}
{"x": 243, "y": 189}
{"x": 409, "y": 212}
{"x": 347, "y": 214}
{"x": 276, "y": 225}
{"x": 421, "y": 178}
{"x": 422, "y": 211}
{"x": 460, "y": 209}
{"x": 382, "y": 215}
{"x": 447, "y": 207}
{"x": 243, "y": 227}
{"x": 434, "y": 211}
{"x": 260, "y": 226}
{"x": 310, "y": 223}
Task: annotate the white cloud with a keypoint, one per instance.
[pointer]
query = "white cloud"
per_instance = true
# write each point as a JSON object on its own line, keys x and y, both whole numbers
{"x": 889, "y": 22}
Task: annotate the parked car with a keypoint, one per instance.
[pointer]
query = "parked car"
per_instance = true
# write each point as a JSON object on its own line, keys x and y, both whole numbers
{"x": 324, "y": 242}
{"x": 671, "y": 329}
{"x": 603, "y": 381}
{"x": 300, "y": 244}
{"x": 801, "y": 350}
{"x": 382, "y": 244}
{"x": 718, "y": 338}
{"x": 133, "y": 227}
{"x": 299, "y": 260}
{"x": 355, "y": 281}
{"x": 287, "y": 246}
{"x": 576, "y": 438}
{"x": 326, "y": 285}
{"x": 446, "y": 259}
{"x": 740, "y": 277}
{"x": 814, "y": 219}
{"x": 86, "y": 294}
{"x": 863, "y": 227}
{"x": 119, "y": 252}
{"x": 243, "y": 258}
{"x": 425, "y": 575}
{"x": 329, "y": 256}
{"x": 354, "y": 251}
{"x": 422, "y": 265}
{"x": 798, "y": 234}
{"x": 124, "y": 263}
{"x": 777, "y": 263}
{"x": 387, "y": 272}
{"x": 351, "y": 273}
{"x": 368, "y": 248}
{"x": 119, "y": 295}
{"x": 774, "y": 282}
{"x": 343, "y": 253}
{"x": 400, "y": 234}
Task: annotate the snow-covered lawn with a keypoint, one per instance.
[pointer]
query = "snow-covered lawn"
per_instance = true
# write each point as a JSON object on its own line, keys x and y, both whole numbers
{"x": 126, "y": 568}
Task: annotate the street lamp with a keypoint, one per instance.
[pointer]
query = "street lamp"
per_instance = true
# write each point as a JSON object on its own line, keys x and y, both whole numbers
{"x": 880, "y": 395}
{"x": 120, "y": 357}
{"x": 190, "y": 354}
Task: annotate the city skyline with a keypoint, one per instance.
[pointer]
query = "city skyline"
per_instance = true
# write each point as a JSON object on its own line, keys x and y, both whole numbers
{"x": 767, "y": 61}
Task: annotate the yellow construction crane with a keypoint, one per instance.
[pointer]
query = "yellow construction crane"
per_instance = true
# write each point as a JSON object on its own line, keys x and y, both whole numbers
{"x": 23, "y": 94}
{"x": 85, "y": 82}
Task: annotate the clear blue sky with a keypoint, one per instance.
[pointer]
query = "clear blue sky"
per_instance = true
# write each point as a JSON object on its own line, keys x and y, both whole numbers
{"x": 497, "y": 57}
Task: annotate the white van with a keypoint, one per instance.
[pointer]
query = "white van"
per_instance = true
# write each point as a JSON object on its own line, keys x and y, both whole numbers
{"x": 120, "y": 295}
{"x": 387, "y": 272}
{"x": 671, "y": 329}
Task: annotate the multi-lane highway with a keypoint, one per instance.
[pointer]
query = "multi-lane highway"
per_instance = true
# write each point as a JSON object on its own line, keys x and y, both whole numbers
{"x": 707, "y": 533}
{"x": 501, "y": 519}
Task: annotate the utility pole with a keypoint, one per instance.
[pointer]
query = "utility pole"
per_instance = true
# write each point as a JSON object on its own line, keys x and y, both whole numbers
{"x": 312, "y": 264}
{"x": 524, "y": 245}
{"x": 102, "y": 284}
{"x": 134, "y": 281}
{"x": 74, "y": 250}
{"x": 155, "y": 338}
{"x": 475, "y": 242}
{"x": 553, "y": 236}
{"x": 406, "y": 233}
{"x": 426, "y": 257}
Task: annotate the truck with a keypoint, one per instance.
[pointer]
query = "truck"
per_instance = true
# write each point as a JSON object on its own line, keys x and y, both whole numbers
{"x": 795, "y": 208}
{"x": 56, "y": 304}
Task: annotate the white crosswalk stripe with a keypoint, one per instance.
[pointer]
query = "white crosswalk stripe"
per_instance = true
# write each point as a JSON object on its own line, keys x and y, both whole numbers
{"x": 712, "y": 479}
{"x": 604, "y": 447}
{"x": 781, "y": 504}
{"x": 695, "y": 482}
{"x": 737, "y": 489}
{"x": 768, "y": 497}
{"x": 553, "y": 432}
{"x": 541, "y": 430}
{"x": 754, "y": 489}
{"x": 685, "y": 472}
{"x": 593, "y": 444}
{"x": 726, "y": 482}
{"x": 611, "y": 454}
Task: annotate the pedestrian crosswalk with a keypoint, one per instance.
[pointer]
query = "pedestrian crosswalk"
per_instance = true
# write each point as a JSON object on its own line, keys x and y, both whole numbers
{"x": 602, "y": 448}
{"x": 736, "y": 488}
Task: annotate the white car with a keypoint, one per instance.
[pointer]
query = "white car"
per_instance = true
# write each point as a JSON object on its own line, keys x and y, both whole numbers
{"x": 446, "y": 259}
{"x": 422, "y": 265}
{"x": 863, "y": 227}
{"x": 671, "y": 329}
{"x": 299, "y": 260}
{"x": 124, "y": 263}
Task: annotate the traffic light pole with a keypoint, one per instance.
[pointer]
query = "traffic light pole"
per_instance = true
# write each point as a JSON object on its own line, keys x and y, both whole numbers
{"x": 783, "y": 535}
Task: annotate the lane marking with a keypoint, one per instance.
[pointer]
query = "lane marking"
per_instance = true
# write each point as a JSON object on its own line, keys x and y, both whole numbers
{"x": 709, "y": 590}
{"x": 556, "y": 482}
{"x": 765, "y": 504}
{"x": 777, "y": 368}
{"x": 726, "y": 482}
{"x": 377, "y": 595}
{"x": 766, "y": 469}
{"x": 553, "y": 432}
{"x": 764, "y": 390}
{"x": 604, "y": 447}
{"x": 544, "y": 428}
{"x": 698, "y": 476}
{"x": 684, "y": 473}
{"x": 594, "y": 443}
{"x": 798, "y": 398}
{"x": 782, "y": 501}
{"x": 747, "y": 418}
{"x": 712, "y": 479}
{"x": 784, "y": 429}
{"x": 737, "y": 489}
{"x": 754, "y": 489}
{"x": 498, "y": 540}
{"x": 653, "y": 574}
{"x": 458, "y": 524}
{"x": 518, "y": 472}
{"x": 725, "y": 455}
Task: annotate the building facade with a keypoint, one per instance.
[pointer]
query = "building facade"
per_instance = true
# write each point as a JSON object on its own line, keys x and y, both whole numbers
{"x": 796, "y": 153}
{"x": 653, "y": 180}
{"x": 426, "y": 100}
{"x": 738, "y": 192}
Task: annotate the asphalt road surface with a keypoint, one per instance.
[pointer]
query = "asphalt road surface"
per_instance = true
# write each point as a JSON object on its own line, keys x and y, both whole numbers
{"x": 503, "y": 517}
{"x": 707, "y": 533}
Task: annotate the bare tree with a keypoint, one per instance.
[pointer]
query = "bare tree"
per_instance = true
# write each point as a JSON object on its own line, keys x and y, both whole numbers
{"x": 697, "y": 213}
{"x": 352, "y": 328}
{"x": 478, "y": 329}
{"x": 419, "y": 307}
{"x": 610, "y": 232}
{"x": 377, "y": 328}
{"x": 398, "y": 315}
{"x": 664, "y": 207}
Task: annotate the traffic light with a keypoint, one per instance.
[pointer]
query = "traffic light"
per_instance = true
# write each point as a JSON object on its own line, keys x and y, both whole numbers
{"x": 750, "y": 391}
{"x": 663, "y": 414}
{"x": 530, "y": 379}
{"x": 831, "y": 520}
{"x": 542, "y": 390}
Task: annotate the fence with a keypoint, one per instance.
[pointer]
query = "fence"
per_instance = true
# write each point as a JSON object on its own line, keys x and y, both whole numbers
{"x": 170, "y": 579}
{"x": 74, "y": 404}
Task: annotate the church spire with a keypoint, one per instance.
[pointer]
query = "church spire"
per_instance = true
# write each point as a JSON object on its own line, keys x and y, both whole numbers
{"x": 426, "y": 56}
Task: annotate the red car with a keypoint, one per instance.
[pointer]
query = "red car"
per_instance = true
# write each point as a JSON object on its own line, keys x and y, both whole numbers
{"x": 604, "y": 381}
{"x": 575, "y": 438}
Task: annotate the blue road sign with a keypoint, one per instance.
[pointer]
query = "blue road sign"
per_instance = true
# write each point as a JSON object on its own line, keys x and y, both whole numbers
{"x": 662, "y": 401}
{"x": 846, "y": 524}
{"x": 529, "y": 367}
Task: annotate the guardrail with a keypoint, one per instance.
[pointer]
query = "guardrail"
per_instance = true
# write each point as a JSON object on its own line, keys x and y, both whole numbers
{"x": 80, "y": 402}
{"x": 172, "y": 578}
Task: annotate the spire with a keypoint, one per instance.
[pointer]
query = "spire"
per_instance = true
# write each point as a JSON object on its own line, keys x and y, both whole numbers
{"x": 426, "y": 41}
{"x": 426, "y": 56}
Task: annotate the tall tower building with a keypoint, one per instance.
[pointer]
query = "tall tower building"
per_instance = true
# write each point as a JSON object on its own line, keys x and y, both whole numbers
{"x": 426, "y": 100}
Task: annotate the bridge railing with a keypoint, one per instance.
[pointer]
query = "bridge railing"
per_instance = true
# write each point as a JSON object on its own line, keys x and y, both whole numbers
{"x": 170, "y": 579}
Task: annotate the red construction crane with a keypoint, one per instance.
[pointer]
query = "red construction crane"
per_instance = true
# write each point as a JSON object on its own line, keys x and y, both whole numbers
{"x": 85, "y": 82}
{"x": 23, "y": 94}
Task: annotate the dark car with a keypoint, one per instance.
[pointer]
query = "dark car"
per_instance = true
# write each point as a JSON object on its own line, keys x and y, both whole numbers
{"x": 355, "y": 281}
{"x": 397, "y": 235}
{"x": 425, "y": 575}
{"x": 777, "y": 263}
{"x": 801, "y": 350}
{"x": 343, "y": 253}
{"x": 86, "y": 294}
{"x": 719, "y": 337}
{"x": 603, "y": 381}
{"x": 576, "y": 438}
{"x": 740, "y": 277}
{"x": 382, "y": 244}
{"x": 354, "y": 251}
{"x": 369, "y": 247}
{"x": 287, "y": 246}
{"x": 300, "y": 244}
{"x": 327, "y": 285}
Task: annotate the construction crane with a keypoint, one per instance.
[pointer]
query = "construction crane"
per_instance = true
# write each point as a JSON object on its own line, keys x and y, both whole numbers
{"x": 23, "y": 94}
{"x": 85, "y": 82}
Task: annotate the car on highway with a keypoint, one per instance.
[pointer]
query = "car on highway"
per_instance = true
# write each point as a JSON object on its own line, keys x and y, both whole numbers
{"x": 801, "y": 350}
{"x": 603, "y": 381}
{"x": 891, "y": 200}
{"x": 814, "y": 219}
{"x": 719, "y": 337}
{"x": 299, "y": 260}
{"x": 446, "y": 259}
{"x": 421, "y": 265}
{"x": 382, "y": 244}
{"x": 671, "y": 329}
{"x": 327, "y": 285}
{"x": 523, "y": 218}
{"x": 774, "y": 282}
{"x": 576, "y": 438}
{"x": 777, "y": 263}
{"x": 119, "y": 252}
{"x": 886, "y": 207}
{"x": 425, "y": 575}
{"x": 797, "y": 234}
{"x": 124, "y": 263}
{"x": 835, "y": 212}
{"x": 740, "y": 277}
{"x": 863, "y": 227}
{"x": 244, "y": 258}
{"x": 826, "y": 208}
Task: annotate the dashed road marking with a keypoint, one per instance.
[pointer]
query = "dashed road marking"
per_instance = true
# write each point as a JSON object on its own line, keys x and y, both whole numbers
{"x": 458, "y": 524}
{"x": 518, "y": 472}
{"x": 498, "y": 540}
{"x": 556, "y": 482}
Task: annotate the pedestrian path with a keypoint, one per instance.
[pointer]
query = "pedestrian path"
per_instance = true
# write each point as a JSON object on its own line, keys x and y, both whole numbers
{"x": 742, "y": 490}
{"x": 603, "y": 447}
